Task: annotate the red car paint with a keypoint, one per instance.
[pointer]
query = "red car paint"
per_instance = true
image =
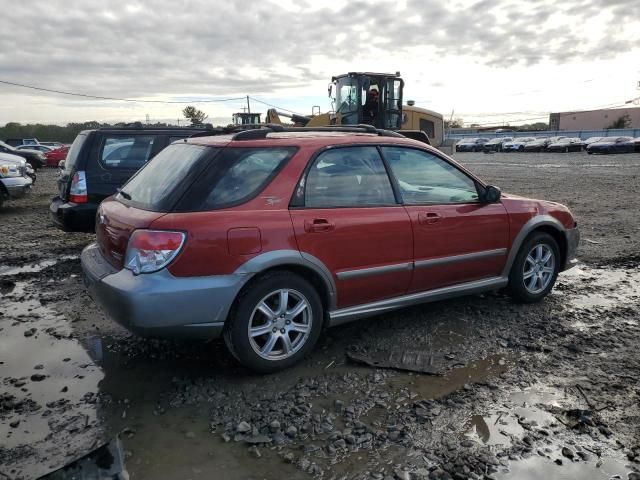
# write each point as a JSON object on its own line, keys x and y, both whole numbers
{"x": 344, "y": 239}
{"x": 55, "y": 156}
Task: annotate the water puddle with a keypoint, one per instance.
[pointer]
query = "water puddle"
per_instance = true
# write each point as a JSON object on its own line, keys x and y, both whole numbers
{"x": 34, "y": 267}
{"x": 528, "y": 410}
{"x": 426, "y": 387}
{"x": 594, "y": 288}
{"x": 48, "y": 379}
{"x": 537, "y": 467}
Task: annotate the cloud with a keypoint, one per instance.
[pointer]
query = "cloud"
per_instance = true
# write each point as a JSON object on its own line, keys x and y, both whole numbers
{"x": 129, "y": 48}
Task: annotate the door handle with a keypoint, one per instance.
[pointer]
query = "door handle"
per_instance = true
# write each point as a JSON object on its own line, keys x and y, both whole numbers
{"x": 428, "y": 218}
{"x": 318, "y": 225}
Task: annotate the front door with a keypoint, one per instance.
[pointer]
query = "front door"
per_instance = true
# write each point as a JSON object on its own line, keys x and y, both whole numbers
{"x": 348, "y": 218}
{"x": 457, "y": 238}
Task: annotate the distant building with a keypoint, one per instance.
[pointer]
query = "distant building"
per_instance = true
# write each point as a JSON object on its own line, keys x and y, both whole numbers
{"x": 593, "y": 119}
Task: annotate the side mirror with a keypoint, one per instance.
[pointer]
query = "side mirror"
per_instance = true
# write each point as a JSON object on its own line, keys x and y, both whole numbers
{"x": 491, "y": 194}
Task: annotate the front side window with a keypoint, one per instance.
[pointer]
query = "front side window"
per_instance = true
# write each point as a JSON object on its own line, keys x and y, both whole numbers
{"x": 424, "y": 178}
{"x": 126, "y": 151}
{"x": 348, "y": 177}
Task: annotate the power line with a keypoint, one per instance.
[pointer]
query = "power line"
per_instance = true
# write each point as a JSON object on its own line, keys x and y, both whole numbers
{"x": 98, "y": 97}
{"x": 274, "y": 106}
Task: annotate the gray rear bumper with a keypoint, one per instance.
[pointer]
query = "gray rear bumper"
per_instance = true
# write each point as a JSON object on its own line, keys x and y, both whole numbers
{"x": 159, "y": 304}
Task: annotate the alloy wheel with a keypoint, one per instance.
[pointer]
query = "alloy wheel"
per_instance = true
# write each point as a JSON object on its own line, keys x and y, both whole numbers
{"x": 539, "y": 268}
{"x": 280, "y": 324}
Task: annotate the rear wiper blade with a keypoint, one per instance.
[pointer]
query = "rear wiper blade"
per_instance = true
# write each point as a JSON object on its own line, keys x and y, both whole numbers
{"x": 124, "y": 194}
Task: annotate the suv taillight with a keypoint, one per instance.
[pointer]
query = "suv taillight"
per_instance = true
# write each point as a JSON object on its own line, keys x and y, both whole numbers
{"x": 78, "y": 190}
{"x": 151, "y": 250}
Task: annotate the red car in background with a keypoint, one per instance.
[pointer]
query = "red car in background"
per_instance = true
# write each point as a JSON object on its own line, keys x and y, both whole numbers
{"x": 54, "y": 156}
{"x": 270, "y": 235}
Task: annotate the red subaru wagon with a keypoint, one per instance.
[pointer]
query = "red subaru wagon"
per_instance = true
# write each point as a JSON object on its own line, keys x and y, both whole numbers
{"x": 270, "y": 235}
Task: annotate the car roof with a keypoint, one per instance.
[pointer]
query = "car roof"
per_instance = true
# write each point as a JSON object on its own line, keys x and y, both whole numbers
{"x": 313, "y": 139}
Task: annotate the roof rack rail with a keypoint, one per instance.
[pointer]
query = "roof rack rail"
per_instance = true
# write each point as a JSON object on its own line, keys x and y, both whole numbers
{"x": 256, "y": 134}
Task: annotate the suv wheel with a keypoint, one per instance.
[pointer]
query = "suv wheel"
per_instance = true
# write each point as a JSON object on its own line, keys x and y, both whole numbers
{"x": 535, "y": 269}
{"x": 276, "y": 322}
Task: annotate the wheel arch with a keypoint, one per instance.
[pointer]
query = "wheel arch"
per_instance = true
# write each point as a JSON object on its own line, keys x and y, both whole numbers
{"x": 306, "y": 266}
{"x": 540, "y": 223}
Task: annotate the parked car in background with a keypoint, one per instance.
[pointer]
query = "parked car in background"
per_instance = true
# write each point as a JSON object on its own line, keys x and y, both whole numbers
{"x": 56, "y": 155}
{"x": 612, "y": 145}
{"x": 99, "y": 162}
{"x": 589, "y": 141}
{"x": 471, "y": 144}
{"x": 16, "y": 142}
{"x": 540, "y": 144}
{"x": 636, "y": 144}
{"x": 268, "y": 236}
{"x": 35, "y": 148}
{"x": 495, "y": 144}
{"x": 15, "y": 181}
{"x": 34, "y": 158}
{"x": 517, "y": 144}
{"x": 565, "y": 145}
{"x": 52, "y": 144}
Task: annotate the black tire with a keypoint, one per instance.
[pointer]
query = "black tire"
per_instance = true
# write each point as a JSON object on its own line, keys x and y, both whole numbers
{"x": 517, "y": 288}
{"x": 236, "y": 333}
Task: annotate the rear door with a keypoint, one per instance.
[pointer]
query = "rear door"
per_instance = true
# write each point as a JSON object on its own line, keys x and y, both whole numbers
{"x": 115, "y": 157}
{"x": 457, "y": 238}
{"x": 346, "y": 215}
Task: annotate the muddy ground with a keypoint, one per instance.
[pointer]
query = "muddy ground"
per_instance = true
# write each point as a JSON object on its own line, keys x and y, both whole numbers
{"x": 516, "y": 392}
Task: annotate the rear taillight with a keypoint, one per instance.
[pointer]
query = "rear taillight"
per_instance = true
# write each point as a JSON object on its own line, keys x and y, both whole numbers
{"x": 78, "y": 190}
{"x": 152, "y": 250}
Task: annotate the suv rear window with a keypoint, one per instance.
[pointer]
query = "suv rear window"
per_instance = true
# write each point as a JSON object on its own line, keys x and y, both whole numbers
{"x": 126, "y": 152}
{"x": 74, "y": 152}
{"x": 157, "y": 186}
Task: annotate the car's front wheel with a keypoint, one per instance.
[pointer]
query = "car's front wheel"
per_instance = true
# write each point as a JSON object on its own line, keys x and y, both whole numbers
{"x": 535, "y": 269}
{"x": 275, "y": 322}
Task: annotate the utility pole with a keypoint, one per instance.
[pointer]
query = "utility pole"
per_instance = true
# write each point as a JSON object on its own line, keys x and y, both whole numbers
{"x": 248, "y": 106}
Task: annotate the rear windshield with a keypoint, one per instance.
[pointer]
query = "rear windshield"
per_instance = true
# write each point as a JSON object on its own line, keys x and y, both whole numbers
{"x": 235, "y": 176}
{"x": 74, "y": 152}
{"x": 161, "y": 181}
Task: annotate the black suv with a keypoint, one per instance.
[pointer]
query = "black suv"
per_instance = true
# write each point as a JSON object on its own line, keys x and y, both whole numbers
{"x": 99, "y": 162}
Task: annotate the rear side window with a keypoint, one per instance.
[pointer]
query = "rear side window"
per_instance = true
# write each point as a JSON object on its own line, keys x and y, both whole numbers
{"x": 74, "y": 152}
{"x": 157, "y": 186}
{"x": 348, "y": 177}
{"x": 126, "y": 152}
{"x": 234, "y": 177}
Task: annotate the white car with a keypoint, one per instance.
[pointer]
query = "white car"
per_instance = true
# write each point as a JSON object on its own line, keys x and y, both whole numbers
{"x": 517, "y": 144}
{"x": 14, "y": 177}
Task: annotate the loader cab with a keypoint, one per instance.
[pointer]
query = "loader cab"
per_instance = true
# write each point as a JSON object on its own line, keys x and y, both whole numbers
{"x": 244, "y": 118}
{"x": 373, "y": 98}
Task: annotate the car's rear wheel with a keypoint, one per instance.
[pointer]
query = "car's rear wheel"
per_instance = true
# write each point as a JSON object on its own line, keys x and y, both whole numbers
{"x": 275, "y": 322}
{"x": 535, "y": 269}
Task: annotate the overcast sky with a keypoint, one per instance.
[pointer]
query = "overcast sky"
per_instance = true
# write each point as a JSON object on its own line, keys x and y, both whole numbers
{"x": 488, "y": 60}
